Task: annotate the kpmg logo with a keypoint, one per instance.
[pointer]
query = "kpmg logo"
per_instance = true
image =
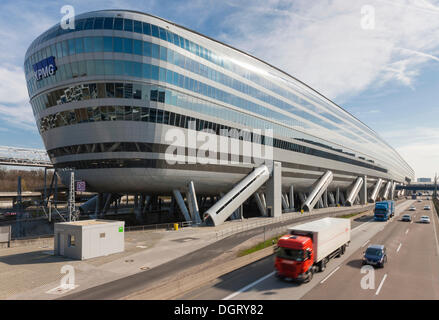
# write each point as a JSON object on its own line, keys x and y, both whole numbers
{"x": 45, "y": 68}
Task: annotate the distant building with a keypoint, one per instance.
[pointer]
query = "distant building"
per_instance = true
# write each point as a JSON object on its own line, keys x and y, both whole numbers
{"x": 424, "y": 179}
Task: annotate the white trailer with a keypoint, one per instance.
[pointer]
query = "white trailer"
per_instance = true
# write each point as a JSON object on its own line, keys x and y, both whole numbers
{"x": 330, "y": 236}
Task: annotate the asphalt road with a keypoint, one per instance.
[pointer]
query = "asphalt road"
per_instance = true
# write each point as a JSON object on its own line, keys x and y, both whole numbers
{"x": 121, "y": 288}
{"x": 411, "y": 272}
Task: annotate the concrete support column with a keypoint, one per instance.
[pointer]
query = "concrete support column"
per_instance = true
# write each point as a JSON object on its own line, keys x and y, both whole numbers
{"x": 291, "y": 197}
{"x": 337, "y": 196}
{"x": 325, "y": 198}
{"x": 260, "y": 204}
{"x": 181, "y": 204}
{"x": 363, "y": 192}
{"x": 193, "y": 204}
{"x": 274, "y": 192}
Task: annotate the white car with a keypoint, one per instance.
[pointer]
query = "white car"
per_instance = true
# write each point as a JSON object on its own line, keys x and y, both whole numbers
{"x": 412, "y": 208}
{"x": 425, "y": 219}
{"x": 419, "y": 200}
{"x": 427, "y": 208}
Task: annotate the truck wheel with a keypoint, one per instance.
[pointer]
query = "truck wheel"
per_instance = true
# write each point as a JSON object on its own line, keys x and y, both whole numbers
{"x": 322, "y": 265}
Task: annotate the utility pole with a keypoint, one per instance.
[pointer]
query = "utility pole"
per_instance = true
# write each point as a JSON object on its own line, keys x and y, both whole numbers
{"x": 72, "y": 195}
{"x": 435, "y": 186}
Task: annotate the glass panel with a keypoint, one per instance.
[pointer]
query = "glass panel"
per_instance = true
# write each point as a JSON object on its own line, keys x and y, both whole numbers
{"x": 118, "y": 67}
{"x": 147, "y": 49}
{"x": 118, "y": 24}
{"x": 88, "y": 44}
{"x": 137, "y": 26}
{"x": 128, "y": 45}
{"x": 119, "y": 90}
{"x": 109, "y": 70}
{"x": 108, "y": 44}
{"x": 118, "y": 44}
{"x": 79, "y": 45}
{"x": 89, "y": 24}
{"x": 137, "y": 47}
{"x": 128, "y": 25}
{"x": 99, "y": 23}
{"x": 154, "y": 31}
{"x": 71, "y": 43}
{"x": 146, "y": 28}
{"x": 162, "y": 34}
{"x": 155, "y": 50}
{"x": 108, "y": 23}
{"x": 98, "y": 44}
{"x": 109, "y": 89}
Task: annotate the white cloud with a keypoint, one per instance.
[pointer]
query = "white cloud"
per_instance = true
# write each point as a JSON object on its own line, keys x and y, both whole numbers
{"x": 419, "y": 146}
{"x": 322, "y": 43}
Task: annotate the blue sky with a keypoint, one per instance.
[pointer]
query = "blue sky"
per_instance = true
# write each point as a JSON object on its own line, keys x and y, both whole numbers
{"x": 387, "y": 76}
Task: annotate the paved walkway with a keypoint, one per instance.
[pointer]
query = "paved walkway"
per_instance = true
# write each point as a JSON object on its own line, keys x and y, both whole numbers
{"x": 31, "y": 272}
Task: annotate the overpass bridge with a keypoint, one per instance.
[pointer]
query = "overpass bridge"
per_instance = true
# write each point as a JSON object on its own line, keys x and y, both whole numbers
{"x": 25, "y": 157}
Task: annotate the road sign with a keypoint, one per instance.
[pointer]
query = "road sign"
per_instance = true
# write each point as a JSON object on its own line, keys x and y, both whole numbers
{"x": 80, "y": 186}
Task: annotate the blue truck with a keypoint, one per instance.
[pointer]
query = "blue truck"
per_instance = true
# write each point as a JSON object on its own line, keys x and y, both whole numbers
{"x": 384, "y": 210}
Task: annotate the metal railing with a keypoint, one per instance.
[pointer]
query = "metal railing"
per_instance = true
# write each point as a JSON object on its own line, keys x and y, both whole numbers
{"x": 241, "y": 227}
{"x": 161, "y": 226}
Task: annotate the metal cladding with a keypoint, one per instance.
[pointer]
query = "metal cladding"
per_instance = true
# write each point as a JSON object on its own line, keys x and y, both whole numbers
{"x": 354, "y": 191}
{"x": 224, "y": 207}
{"x": 319, "y": 188}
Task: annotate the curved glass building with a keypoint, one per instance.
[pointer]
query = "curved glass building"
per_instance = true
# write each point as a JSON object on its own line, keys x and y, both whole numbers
{"x": 105, "y": 94}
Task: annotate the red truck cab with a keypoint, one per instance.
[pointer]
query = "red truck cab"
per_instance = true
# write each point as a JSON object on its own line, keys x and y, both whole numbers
{"x": 294, "y": 257}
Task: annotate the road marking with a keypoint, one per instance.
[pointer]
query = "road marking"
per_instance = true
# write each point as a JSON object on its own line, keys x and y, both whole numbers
{"x": 330, "y": 274}
{"x": 381, "y": 284}
{"x": 399, "y": 247}
{"x": 365, "y": 243}
{"x": 407, "y": 231}
{"x": 249, "y": 286}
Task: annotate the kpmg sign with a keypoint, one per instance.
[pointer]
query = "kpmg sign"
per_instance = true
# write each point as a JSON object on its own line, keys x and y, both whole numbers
{"x": 45, "y": 68}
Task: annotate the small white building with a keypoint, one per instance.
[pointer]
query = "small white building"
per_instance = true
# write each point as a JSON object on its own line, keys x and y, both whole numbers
{"x": 89, "y": 238}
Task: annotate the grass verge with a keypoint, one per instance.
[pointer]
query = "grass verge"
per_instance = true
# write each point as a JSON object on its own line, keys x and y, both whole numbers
{"x": 347, "y": 216}
{"x": 259, "y": 246}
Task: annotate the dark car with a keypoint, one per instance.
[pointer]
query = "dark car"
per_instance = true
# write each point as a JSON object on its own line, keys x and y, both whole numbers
{"x": 375, "y": 255}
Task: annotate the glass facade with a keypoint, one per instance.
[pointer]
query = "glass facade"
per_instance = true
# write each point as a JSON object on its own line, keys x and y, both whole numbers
{"x": 173, "y": 69}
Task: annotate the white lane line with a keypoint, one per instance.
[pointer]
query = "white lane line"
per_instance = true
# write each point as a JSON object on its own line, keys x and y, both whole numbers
{"x": 381, "y": 284}
{"x": 249, "y": 286}
{"x": 330, "y": 274}
{"x": 407, "y": 231}
{"x": 399, "y": 247}
{"x": 365, "y": 243}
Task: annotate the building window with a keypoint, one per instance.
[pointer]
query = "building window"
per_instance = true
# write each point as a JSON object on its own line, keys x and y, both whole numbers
{"x": 72, "y": 240}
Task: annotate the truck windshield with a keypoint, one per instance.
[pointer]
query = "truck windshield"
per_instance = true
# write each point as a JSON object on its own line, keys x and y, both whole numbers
{"x": 380, "y": 210}
{"x": 290, "y": 254}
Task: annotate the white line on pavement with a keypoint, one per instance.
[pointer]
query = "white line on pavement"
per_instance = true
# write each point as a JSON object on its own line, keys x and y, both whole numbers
{"x": 330, "y": 274}
{"x": 381, "y": 284}
{"x": 365, "y": 243}
{"x": 249, "y": 286}
{"x": 407, "y": 231}
{"x": 399, "y": 247}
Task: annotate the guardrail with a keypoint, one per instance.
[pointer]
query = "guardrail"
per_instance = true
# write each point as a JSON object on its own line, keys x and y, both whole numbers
{"x": 285, "y": 217}
{"x": 161, "y": 226}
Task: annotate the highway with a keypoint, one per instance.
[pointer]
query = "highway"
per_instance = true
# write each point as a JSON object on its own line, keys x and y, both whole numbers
{"x": 411, "y": 272}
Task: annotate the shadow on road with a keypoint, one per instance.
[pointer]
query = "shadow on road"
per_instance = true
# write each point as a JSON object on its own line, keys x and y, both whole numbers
{"x": 42, "y": 256}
